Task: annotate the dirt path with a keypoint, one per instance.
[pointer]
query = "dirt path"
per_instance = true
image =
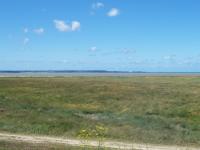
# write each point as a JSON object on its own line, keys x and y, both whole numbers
{"x": 76, "y": 142}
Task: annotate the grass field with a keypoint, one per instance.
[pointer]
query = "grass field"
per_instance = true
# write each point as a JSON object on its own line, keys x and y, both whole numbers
{"x": 138, "y": 109}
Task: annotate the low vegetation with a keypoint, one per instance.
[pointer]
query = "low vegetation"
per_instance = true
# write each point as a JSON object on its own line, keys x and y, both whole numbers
{"x": 162, "y": 110}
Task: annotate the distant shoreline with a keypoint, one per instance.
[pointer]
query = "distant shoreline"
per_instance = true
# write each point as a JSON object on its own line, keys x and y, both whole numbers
{"x": 91, "y": 73}
{"x": 85, "y": 71}
{"x": 67, "y": 71}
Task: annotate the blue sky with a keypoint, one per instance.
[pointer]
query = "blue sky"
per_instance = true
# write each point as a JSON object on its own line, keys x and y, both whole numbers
{"x": 140, "y": 35}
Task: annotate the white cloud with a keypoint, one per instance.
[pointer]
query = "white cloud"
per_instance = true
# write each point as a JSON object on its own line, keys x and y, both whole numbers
{"x": 26, "y": 40}
{"x": 128, "y": 51}
{"x": 113, "y": 12}
{"x": 25, "y": 30}
{"x": 64, "y": 27}
{"x": 97, "y": 5}
{"x": 75, "y": 25}
{"x": 93, "y": 49}
{"x": 169, "y": 57}
{"x": 39, "y": 30}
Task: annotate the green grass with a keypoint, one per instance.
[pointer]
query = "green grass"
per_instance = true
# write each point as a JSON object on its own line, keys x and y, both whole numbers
{"x": 138, "y": 109}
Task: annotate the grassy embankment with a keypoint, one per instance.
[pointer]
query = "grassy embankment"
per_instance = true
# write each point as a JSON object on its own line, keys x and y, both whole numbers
{"x": 138, "y": 109}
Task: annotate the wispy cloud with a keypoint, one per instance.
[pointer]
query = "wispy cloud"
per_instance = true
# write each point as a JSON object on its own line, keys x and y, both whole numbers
{"x": 39, "y": 31}
{"x": 113, "y": 12}
{"x": 169, "y": 57}
{"x": 97, "y": 5}
{"x": 75, "y": 25}
{"x": 25, "y": 30}
{"x": 93, "y": 49}
{"x": 62, "y": 26}
{"x": 26, "y": 41}
{"x": 128, "y": 51}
